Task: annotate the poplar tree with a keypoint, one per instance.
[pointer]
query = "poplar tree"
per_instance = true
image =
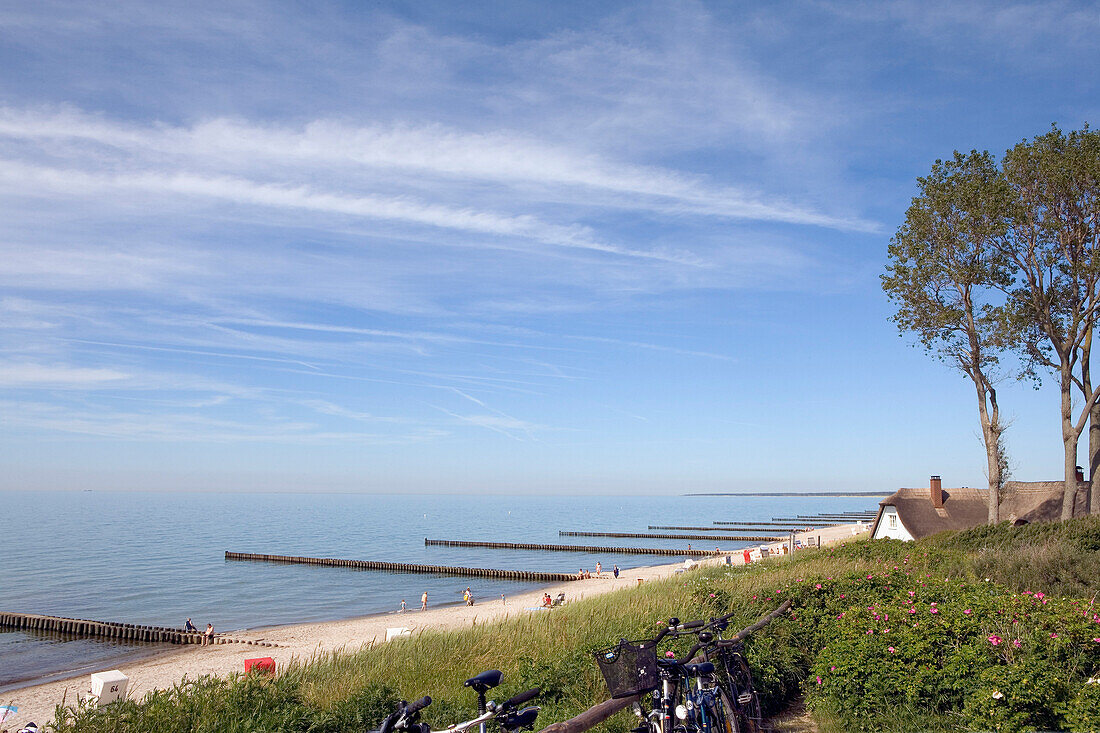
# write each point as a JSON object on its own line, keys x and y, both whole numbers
{"x": 1052, "y": 241}
{"x": 947, "y": 275}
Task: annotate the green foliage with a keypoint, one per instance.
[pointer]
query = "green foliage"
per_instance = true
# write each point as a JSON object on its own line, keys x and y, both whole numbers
{"x": 1083, "y": 709}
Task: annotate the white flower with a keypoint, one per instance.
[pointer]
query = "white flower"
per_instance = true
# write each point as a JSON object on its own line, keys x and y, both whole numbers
{"x": 997, "y": 695}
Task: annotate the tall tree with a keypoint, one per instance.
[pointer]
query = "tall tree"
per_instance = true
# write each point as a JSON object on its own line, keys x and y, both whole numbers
{"x": 1052, "y": 240}
{"x": 946, "y": 275}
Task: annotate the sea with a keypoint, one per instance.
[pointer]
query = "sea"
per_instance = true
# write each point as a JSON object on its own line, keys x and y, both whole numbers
{"x": 159, "y": 558}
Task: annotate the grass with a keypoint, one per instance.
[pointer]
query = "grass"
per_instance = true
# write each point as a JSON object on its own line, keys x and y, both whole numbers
{"x": 345, "y": 692}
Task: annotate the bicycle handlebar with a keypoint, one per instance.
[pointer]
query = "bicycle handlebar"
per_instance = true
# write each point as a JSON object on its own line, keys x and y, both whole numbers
{"x": 418, "y": 705}
{"x": 515, "y": 702}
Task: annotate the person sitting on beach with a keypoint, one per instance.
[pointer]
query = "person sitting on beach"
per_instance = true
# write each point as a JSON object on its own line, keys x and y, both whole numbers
{"x": 547, "y": 602}
{"x": 190, "y": 627}
{"x": 560, "y": 600}
{"x": 580, "y": 574}
{"x": 208, "y": 635}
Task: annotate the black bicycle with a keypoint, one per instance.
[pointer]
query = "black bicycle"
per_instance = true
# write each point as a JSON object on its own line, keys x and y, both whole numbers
{"x": 709, "y": 693}
{"x": 508, "y": 714}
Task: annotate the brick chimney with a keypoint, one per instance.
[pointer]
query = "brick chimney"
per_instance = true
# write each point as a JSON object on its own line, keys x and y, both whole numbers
{"x": 936, "y": 490}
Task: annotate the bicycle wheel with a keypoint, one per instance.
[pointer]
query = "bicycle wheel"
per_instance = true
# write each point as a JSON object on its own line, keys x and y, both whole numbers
{"x": 747, "y": 704}
{"x": 722, "y": 715}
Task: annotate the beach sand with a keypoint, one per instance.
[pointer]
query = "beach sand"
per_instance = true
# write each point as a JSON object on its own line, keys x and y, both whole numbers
{"x": 36, "y": 703}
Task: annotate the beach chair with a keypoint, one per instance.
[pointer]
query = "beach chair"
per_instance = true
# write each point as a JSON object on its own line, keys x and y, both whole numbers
{"x": 396, "y": 632}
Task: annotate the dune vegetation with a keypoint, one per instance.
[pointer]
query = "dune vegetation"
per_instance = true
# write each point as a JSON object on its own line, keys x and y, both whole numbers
{"x": 994, "y": 628}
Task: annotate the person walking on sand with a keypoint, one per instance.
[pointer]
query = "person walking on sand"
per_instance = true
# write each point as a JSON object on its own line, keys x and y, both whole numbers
{"x": 502, "y": 601}
{"x": 402, "y": 606}
{"x": 424, "y": 601}
{"x": 616, "y": 571}
{"x": 599, "y": 569}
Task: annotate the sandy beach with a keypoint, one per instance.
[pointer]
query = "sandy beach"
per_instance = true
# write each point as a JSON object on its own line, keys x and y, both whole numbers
{"x": 36, "y": 703}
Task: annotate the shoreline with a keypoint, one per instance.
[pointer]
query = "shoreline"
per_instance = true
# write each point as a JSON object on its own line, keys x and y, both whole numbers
{"x": 301, "y": 642}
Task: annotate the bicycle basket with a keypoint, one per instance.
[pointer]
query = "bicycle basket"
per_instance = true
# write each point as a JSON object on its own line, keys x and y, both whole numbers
{"x": 629, "y": 667}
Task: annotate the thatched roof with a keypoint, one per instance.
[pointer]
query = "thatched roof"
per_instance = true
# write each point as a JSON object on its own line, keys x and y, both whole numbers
{"x": 1021, "y": 501}
{"x": 962, "y": 509}
{"x": 1039, "y": 501}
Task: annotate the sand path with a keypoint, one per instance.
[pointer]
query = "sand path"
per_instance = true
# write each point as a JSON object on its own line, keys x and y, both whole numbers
{"x": 36, "y": 703}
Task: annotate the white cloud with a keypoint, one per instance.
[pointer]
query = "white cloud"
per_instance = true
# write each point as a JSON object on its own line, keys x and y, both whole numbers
{"x": 435, "y": 151}
{"x": 15, "y": 374}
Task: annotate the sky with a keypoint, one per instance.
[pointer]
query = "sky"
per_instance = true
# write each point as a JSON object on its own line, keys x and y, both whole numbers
{"x": 514, "y": 247}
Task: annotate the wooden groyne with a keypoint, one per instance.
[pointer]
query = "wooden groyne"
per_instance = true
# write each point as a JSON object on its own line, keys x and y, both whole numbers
{"x": 571, "y": 548}
{"x": 109, "y": 630}
{"x": 704, "y": 537}
{"x": 753, "y": 528}
{"x": 402, "y": 567}
{"x": 793, "y": 525}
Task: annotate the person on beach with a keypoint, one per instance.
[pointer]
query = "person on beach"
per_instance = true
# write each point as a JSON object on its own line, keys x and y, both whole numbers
{"x": 502, "y": 601}
{"x": 599, "y": 569}
{"x": 580, "y": 574}
{"x": 402, "y": 606}
{"x": 616, "y": 572}
{"x": 208, "y": 635}
{"x": 424, "y": 601}
{"x": 190, "y": 627}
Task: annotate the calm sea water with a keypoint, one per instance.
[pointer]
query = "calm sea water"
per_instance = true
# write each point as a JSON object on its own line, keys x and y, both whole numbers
{"x": 158, "y": 558}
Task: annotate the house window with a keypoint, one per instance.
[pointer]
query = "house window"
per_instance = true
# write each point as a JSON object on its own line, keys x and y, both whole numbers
{"x": 893, "y": 523}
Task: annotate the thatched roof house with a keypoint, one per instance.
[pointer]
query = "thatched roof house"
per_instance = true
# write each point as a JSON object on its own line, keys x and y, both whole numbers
{"x": 910, "y": 514}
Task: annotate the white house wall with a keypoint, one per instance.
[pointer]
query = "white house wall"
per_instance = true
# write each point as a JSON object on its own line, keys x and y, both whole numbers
{"x": 890, "y": 526}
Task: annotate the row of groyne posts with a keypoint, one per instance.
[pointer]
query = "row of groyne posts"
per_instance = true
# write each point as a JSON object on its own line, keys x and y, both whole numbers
{"x": 139, "y": 633}
{"x": 110, "y": 630}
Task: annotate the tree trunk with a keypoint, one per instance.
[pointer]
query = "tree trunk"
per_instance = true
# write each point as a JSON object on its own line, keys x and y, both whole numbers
{"x": 1070, "y": 437}
{"x": 991, "y": 434}
{"x": 1094, "y": 459}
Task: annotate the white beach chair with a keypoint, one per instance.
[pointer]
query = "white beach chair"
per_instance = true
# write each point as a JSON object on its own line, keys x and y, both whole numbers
{"x": 395, "y": 632}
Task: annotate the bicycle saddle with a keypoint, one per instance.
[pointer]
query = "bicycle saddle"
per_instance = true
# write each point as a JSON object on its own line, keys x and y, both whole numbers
{"x": 700, "y": 670}
{"x": 485, "y": 680}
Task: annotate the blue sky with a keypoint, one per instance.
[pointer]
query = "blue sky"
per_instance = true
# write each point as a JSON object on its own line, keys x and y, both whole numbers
{"x": 496, "y": 247}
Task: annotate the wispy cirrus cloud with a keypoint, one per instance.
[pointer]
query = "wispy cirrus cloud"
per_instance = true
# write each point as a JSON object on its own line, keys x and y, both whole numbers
{"x": 548, "y": 170}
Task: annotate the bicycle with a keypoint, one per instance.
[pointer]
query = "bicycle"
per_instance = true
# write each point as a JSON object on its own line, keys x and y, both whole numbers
{"x": 687, "y": 697}
{"x": 508, "y": 714}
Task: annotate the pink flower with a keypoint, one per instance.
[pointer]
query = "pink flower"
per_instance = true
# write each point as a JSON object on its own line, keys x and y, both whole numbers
{"x": 870, "y": 575}
{"x": 890, "y": 649}
{"x": 934, "y": 609}
{"x": 870, "y": 631}
{"x": 885, "y": 617}
{"x": 995, "y": 640}
{"x": 1016, "y": 643}
{"x": 841, "y": 595}
{"x": 1040, "y": 595}
{"x": 833, "y": 668}
{"x": 670, "y": 655}
{"x": 1053, "y": 635}
{"x": 1096, "y": 639}
{"x": 817, "y": 586}
{"x": 713, "y": 596}
{"x": 912, "y": 593}
{"x": 819, "y": 680}
{"x": 967, "y": 612}
{"x": 912, "y": 610}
